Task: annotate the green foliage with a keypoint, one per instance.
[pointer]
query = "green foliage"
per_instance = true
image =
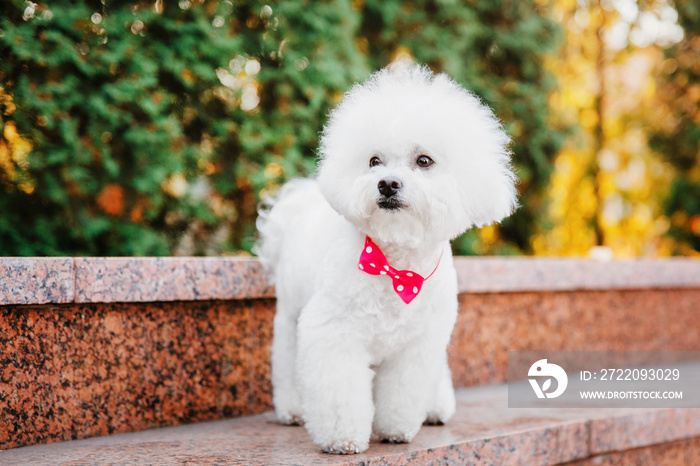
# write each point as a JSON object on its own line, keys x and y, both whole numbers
{"x": 151, "y": 128}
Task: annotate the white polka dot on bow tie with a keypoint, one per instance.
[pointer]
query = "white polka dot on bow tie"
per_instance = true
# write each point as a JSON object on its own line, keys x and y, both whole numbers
{"x": 399, "y": 288}
{"x": 415, "y": 290}
{"x": 372, "y": 265}
{"x": 396, "y": 277}
{"x": 369, "y": 249}
{"x": 386, "y": 267}
{"x": 382, "y": 272}
{"x": 361, "y": 268}
{"x": 409, "y": 274}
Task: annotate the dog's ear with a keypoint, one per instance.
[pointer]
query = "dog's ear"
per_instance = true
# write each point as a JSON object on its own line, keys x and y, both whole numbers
{"x": 497, "y": 200}
{"x": 480, "y": 156}
{"x": 338, "y": 166}
{"x": 489, "y": 191}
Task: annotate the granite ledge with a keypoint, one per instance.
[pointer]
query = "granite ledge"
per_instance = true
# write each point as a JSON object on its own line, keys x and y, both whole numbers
{"x": 484, "y": 430}
{"x": 148, "y": 279}
{"x": 36, "y": 280}
{"x": 514, "y": 274}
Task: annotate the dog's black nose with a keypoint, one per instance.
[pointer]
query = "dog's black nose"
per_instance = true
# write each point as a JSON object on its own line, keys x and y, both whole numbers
{"x": 389, "y": 186}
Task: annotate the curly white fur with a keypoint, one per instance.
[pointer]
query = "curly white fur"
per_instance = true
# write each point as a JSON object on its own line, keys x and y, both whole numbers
{"x": 349, "y": 356}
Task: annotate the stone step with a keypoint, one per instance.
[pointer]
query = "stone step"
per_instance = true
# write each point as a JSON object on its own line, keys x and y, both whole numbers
{"x": 98, "y": 346}
{"x": 484, "y": 431}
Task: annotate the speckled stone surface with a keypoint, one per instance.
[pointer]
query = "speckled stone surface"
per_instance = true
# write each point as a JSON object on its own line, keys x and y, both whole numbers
{"x": 499, "y": 274}
{"x": 684, "y": 452}
{"x": 99, "y": 367}
{"x": 82, "y": 370}
{"x": 484, "y": 431}
{"x": 147, "y": 279}
{"x": 94, "y": 369}
{"x": 134, "y": 279}
{"x": 491, "y": 324}
{"x": 26, "y": 280}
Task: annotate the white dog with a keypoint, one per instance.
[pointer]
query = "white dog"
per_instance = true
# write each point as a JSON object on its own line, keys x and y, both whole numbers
{"x": 366, "y": 287}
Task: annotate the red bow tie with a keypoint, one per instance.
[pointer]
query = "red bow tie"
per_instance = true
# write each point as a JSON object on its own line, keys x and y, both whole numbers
{"x": 407, "y": 284}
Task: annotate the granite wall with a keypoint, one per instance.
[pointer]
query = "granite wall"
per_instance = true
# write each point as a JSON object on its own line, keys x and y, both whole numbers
{"x": 95, "y": 346}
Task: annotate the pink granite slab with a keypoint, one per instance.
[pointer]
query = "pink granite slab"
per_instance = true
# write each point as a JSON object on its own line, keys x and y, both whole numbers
{"x": 631, "y": 430}
{"x": 681, "y": 452}
{"x": 133, "y": 279}
{"x": 83, "y": 370}
{"x": 146, "y": 279}
{"x": 36, "y": 280}
{"x": 498, "y": 274}
{"x": 484, "y": 431}
{"x": 491, "y": 324}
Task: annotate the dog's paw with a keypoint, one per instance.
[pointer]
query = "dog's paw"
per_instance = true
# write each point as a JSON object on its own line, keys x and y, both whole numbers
{"x": 399, "y": 438}
{"x": 433, "y": 420}
{"x": 342, "y": 447}
{"x": 290, "y": 419}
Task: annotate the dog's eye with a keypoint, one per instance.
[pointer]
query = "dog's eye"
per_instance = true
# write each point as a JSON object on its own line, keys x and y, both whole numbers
{"x": 424, "y": 161}
{"x": 374, "y": 161}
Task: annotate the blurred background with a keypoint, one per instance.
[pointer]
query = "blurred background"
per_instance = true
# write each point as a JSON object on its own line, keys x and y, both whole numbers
{"x": 154, "y": 127}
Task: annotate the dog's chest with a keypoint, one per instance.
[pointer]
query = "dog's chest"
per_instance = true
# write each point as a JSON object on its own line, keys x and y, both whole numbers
{"x": 391, "y": 328}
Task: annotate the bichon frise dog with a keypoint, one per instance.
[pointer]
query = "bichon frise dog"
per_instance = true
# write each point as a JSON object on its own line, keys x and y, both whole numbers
{"x": 366, "y": 287}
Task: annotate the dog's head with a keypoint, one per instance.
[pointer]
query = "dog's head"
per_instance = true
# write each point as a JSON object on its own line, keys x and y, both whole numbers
{"x": 409, "y": 157}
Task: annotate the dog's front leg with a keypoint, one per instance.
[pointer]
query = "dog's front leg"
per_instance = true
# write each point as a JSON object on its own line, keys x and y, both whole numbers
{"x": 441, "y": 405}
{"x": 334, "y": 380}
{"x": 403, "y": 388}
